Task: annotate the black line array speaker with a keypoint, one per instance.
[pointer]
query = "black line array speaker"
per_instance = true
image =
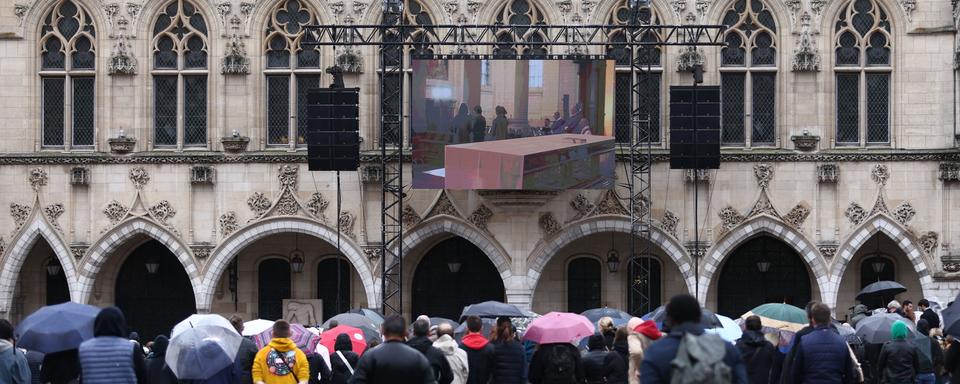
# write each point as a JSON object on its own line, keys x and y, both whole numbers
{"x": 333, "y": 129}
{"x": 694, "y": 127}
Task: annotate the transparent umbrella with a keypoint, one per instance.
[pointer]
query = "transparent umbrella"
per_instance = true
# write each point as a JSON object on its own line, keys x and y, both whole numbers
{"x": 201, "y": 346}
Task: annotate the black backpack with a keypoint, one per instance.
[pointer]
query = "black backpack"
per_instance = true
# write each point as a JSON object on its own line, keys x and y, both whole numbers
{"x": 561, "y": 367}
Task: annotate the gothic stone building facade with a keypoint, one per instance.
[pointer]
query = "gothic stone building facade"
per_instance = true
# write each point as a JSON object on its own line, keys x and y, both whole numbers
{"x": 152, "y": 157}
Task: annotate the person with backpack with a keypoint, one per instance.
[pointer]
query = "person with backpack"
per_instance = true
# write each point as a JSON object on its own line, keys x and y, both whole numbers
{"x": 822, "y": 355}
{"x": 281, "y": 362}
{"x": 479, "y": 352}
{"x": 687, "y": 354}
{"x": 757, "y": 353}
{"x": 899, "y": 359}
{"x": 344, "y": 360}
{"x": 109, "y": 357}
{"x": 598, "y": 364}
{"x": 931, "y": 355}
{"x": 556, "y": 363}
{"x": 509, "y": 356}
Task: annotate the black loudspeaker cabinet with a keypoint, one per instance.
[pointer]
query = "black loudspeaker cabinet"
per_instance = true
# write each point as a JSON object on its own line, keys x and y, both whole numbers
{"x": 333, "y": 129}
{"x": 694, "y": 127}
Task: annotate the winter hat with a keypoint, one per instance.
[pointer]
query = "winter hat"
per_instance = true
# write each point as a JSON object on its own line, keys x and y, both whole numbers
{"x": 596, "y": 342}
{"x": 649, "y": 329}
{"x": 899, "y": 330}
{"x": 894, "y": 304}
{"x": 634, "y": 322}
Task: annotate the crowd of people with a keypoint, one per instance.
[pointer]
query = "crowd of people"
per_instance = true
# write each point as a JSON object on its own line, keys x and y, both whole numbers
{"x": 679, "y": 351}
{"x": 471, "y": 126}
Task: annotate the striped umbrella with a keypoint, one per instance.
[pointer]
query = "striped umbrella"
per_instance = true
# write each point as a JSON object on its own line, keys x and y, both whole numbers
{"x": 303, "y": 338}
{"x": 779, "y": 317}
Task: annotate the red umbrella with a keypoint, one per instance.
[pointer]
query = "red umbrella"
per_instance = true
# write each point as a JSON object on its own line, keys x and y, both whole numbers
{"x": 329, "y": 338}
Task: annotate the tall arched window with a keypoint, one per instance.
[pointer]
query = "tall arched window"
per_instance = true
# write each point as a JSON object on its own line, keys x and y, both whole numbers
{"x": 520, "y": 12}
{"x": 290, "y": 72}
{"x": 644, "y": 292}
{"x": 67, "y": 63}
{"x": 583, "y": 284}
{"x": 414, "y": 13}
{"x": 180, "y": 56}
{"x": 649, "y": 80}
{"x": 748, "y": 75}
{"x": 862, "y": 66}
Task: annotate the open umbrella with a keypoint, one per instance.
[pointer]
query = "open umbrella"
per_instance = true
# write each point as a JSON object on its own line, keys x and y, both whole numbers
{"x": 201, "y": 346}
{"x": 951, "y": 319}
{"x": 57, "y": 328}
{"x": 491, "y": 309}
{"x": 777, "y": 316}
{"x": 876, "y": 329}
{"x": 595, "y": 314}
{"x": 488, "y": 325}
{"x": 374, "y": 316}
{"x": 256, "y": 327}
{"x": 729, "y": 330}
{"x": 300, "y": 335}
{"x": 883, "y": 288}
{"x": 370, "y": 330}
{"x": 558, "y": 327}
{"x": 707, "y": 318}
{"x": 357, "y": 338}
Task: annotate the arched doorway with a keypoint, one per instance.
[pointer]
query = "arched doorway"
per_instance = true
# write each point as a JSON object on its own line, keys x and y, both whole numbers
{"x": 273, "y": 286}
{"x": 327, "y": 289}
{"x": 762, "y": 270}
{"x": 453, "y": 274}
{"x": 583, "y": 284}
{"x": 153, "y": 290}
{"x": 57, "y": 289}
{"x": 644, "y": 293}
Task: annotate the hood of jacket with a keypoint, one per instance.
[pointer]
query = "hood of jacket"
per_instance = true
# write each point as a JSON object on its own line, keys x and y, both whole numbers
{"x": 420, "y": 343}
{"x": 5, "y": 345}
{"x": 447, "y": 345}
{"x": 343, "y": 343}
{"x": 160, "y": 346}
{"x": 753, "y": 338}
{"x": 282, "y": 344}
{"x": 110, "y": 322}
{"x": 860, "y": 309}
{"x": 475, "y": 341}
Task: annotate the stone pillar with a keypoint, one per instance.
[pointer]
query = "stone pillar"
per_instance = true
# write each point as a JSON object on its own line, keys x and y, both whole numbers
{"x": 471, "y": 83}
{"x": 519, "y": 292}
{"x": 521, "y": 96}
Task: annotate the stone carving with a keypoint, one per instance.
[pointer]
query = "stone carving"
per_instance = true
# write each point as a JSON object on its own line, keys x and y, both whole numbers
{"x": 259, "y": 204}
{"x": 474, "y": 6}
{"x": 587, "y": 6}
{"x": 79, "y": 176}
{"x": 139, "y": 177}
{"x": 53, "y": 212}
{"x": 806, "y": 56}
{"x": 235, "y": 143}
{"x": 730, "y": 218}
{"x": 609, "y": 204}
{"x": 78, "y": 250}
{"x": 162, "y": 211}
{"x": 228, "y": 223}
{"x": 764, "y": 174}
{"x": 581, "y": 205}
{"x": 444, "y": 206}
{"x": 949, "y": 172}
{"x": 317, "y": 205}
{"x": 855, "y": 213}
{"x": 690, "y": 57}
{"x": 697, "y": 250}
{"x": 549, "y": 224}
{"x": 451, "y": 7}
{"x": 828, "y": 173}
{"x": 702, "y": 175}
{"x": 908, "y": 7}
{"x": 20, "y": 11}
{"x": 115, "y": 211}
{"x": 678, "y": 6}
{"x": 133, "y": 9}
{"x": 702, "y": 6}
{"x": 347, "y": 220}
{"x": 3, "y": 245}
{"x": 797, "y": 215}
{"x": 350, "y": 61}
{"x": 202, "y": 251}
{"x": 480, "y": 217}
{"x": 20, "y": 213}
{"x": 38, "y": 178}
{"x": 828, "y": 250}
{"x": 879, "y": 206}
{"x": 903, "y": 213}
{"x": 246, "y": 8}
{"x": 880, "y": 174}
{"x": 565, "y": 6}
{"x": 794, "y": 5}
{"x": 122, "y": 62}
{"x": 373, "y": 253}
{"x": 763, "y": 206}
{"x": 641, "y": 206}
{"x": 288, "y": 176}
{"x": 409, "y": 217}
{"x": 669, "y": 223}
{"x": 337, "y": 7}
{"x": 928, "y": 242}
{"x": 359, "y": 8}
{"x": 817, "y": 6}
{"x": 235, "y": 61}
{"x": 950, "y": 263}
{"x": 287, "y": 205}
{"x": 121, "y": 144}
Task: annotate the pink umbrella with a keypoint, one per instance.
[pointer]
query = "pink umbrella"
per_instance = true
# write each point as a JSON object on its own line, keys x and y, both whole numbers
{"x": 303, "y": 338}
{"x": 558, "y": 327}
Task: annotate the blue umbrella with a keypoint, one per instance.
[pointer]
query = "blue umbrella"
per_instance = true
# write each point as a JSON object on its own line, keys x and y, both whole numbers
{"x": 595, "y": 314}
{"x": 57, "y": 328}
{"x": 708, "y": 319}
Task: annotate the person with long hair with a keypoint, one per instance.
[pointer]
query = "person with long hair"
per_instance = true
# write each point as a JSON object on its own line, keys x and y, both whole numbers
{"x": 508, "y": 355}
{"x": 606, "y": 329}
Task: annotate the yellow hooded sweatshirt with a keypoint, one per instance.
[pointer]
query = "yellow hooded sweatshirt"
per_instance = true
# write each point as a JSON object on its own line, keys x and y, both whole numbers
{"x": 269, "y": 367}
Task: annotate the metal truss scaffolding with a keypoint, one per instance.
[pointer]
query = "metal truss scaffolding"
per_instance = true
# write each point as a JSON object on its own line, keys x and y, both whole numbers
{"x": 394, "y": 39}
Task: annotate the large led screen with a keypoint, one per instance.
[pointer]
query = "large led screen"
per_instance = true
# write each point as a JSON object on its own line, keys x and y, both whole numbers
{"x": 512, "y": 124}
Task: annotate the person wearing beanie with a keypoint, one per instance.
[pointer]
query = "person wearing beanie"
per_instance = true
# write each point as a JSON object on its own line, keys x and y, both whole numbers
{"x": 899, "y": 359}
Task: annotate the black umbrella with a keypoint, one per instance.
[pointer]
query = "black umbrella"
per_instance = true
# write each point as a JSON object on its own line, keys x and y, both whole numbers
{"x": 707, "y": 318}
{"x": 882, "y": 289}
{"x": 488, "y": 325}
{"x": 595, "y": 314}
{"x": 876, "y": 329}
{"x": 951, "y": 319}
{"x": 491, "y": 309}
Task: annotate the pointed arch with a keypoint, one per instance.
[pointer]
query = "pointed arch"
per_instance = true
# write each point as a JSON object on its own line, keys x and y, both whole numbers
{"x": 104, "y": 248}
{"x": 145, "y": 22}
{"x": 236, "y": 242}
{"x": 444, "y": 225}
{"x": 781, "y": 14}
{"x": 263, "y": 11}
{"x": 900, "y": 235}
{"x": 601, "y": 14}
{"x": 833, "y": 11}
{"x": 547, "y": 248}
{"x": 765, "y": 225}
{"x": 20, "y": 248}
{"x": 33, "y": 20}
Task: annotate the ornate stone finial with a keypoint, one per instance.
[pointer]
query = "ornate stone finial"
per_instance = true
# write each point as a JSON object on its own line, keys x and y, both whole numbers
{"x": 20, "y": 10}
{"x": 690, "y": 57}
{"x": 235, "y": 61}
{"x": 258, "y": 204}
{"x": 581, "y": 205}
{"x": 77, "y": 250}
{"x": 480, "y": 217}
{"x": 764, "y": 174}
{"x": 38, "y": 178}
{"x": 880, "y": 174}
{"x": 797, "y": 215}
{"x": 548, "y": 224}
{"x": 228, "y": 223}
{"x": 121, "y": 61}
{"x": 139, "y": 177}
{"x": 409, "y": 216}
{"x": 115, "y": 211}
{"x": 288, "y": 176}
{"x": 908, "y": 7}
{"x": 246, "y": 8}
{"x": 855, "y": 213}
{"x": 828, "y": 250}
{"x": 730, "y": 218}
{"x": 347, "y": 220}
{"x": 350, "y": 61}
{"x": 903, "y": 213}
{"x": 20, "y": 213}
{"x": 828, "y": 173}
{"x": 806, "y": 56}
{"x": 202, "y": 251}
{"x": 669, "y": 222}
{"x": 317, "y": 205}
{"x": 949, "y": 172}
{"x": 162, "y": 211}
{"x": 53, "y": 212}
{"x": 928, "y": 242}
{"x": 678, "y": 7}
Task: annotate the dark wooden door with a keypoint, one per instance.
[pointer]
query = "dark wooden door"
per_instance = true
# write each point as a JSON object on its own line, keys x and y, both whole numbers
{"x": 273, "y": 286}
{"x": 154, "y": 302}
{"x": 57, "y": 289}
{"x": 742, "y": 286}
{"x": 439, "y": 292}
{"x": 645, "y": 292}
{"x": 327, "y": 291}
{"x": 583, "y": 284}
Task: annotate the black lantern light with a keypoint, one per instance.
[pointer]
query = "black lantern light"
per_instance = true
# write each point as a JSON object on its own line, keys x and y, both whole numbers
{"x": 53, "y": 267}
{"x": 613, "y": 257}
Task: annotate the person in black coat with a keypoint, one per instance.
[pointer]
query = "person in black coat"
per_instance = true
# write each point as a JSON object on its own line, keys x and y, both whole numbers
{"x": 757, "y": 353}
{"x": 421, "y": 342}
{"x": 928, "y": 314}
{"x": 341, "y": 371}
{"x": 556, "y": 363}
{"x": 319, "y": 371}
{"x": 509, "y": 356}
{"x": 595, "y": 361}
{"x": 60, "y": 367}
{"x": 393, "y": 362}
{"x": 479, "y": 352}
{"x": 619, "y": 358}
{"x": 156, "y": 365}
{"x": 245, "y": 355}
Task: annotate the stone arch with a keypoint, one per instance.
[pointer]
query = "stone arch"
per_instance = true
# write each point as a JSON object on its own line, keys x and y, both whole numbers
{"x": 102, "y": 250}
{"x": 143, "y": 26}
{"x": 545, "y": 250}
{"x": 231, "y": 246}
{"x": 261, "y": 13}
{"x": 781, "y": 15}
{"x": 896, "y": 232}
{"x": 444, "y": 225}
{"x": 765, "y": 225}
{"x": 603, "y": 9}
{"x": 19, "y": 249}
{"x": 895, "y": 14}
{"x": 374, "y": 12}
{"x": 488, "y": 13}
{"x": 33, "y": 21}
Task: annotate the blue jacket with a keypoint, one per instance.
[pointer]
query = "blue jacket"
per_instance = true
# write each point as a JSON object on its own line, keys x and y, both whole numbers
{"x": 510, "y": 362}
{"x": 107, "y": 360}
{"x": 655, "y": 368}
{"x": 13, "y": 365}
{"x": 823, "y": 358}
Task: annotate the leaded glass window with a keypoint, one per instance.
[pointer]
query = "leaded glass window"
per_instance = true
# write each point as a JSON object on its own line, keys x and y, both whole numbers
{"x": 649, "y": 80}
{"x": 180, "y": 65}
{"x": 749, "y": 68}
{"x": 67, "y": 48}
{"x": 863, "y": 46}
{"x": 415, "y": 14}
{"x": 291, "y": 71}
{"x": 520, "y": 12}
